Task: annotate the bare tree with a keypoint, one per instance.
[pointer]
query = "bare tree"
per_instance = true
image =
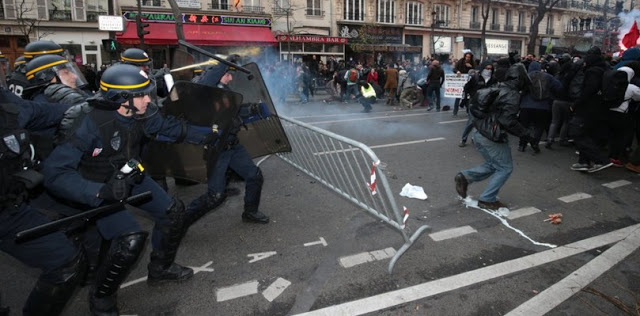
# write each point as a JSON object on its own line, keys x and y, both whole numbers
{"x": 486, "y": 6}
{"x": 26, "y": 16}
{"x": 287, "y": 12}
{"x": 544, "y": 6}
{"x": 176, "y": 15}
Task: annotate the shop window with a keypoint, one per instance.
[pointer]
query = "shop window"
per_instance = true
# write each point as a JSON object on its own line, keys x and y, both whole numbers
{"x": 441, "y": 14}
{"x": 334, "y": 48}
{"x": 313, "y": 47}
{"x": 354, "y": 10}
{"x": 386, "y": 11}
{"x": 414, "y": 13}
{"x": 413, "y": 40}
{"x": 22, "y": 42}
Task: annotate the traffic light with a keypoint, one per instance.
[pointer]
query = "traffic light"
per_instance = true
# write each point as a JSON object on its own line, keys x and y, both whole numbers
{"x": 141, "y": 27}
{"x": 110, "y": 45}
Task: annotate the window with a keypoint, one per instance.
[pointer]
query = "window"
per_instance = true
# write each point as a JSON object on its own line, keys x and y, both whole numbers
{"x": 1, "y": 9}
{"x": 386, "y": 11}
{"x": 414, "y": 13}
{"x": 281, "y": 7}
{"x": 442, "y": 14}
{"x": 354, "y": 10}
{"x": 215, "y": 4}
{"x": 95, "y": 8}
{"x": 474, "y": 14}
{"x": 520, "y": 19}
{"x": 495, "y": 18}
{"x": 550, "y": 24}
{"x": 507, "y": 17}
{"x": 60, "y": 10}
{"x": 152, "y": 3}
{"x": 313, "y": 8}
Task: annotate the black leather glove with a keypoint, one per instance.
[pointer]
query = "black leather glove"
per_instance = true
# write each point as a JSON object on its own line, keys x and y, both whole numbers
{"x": 117, "y": 188}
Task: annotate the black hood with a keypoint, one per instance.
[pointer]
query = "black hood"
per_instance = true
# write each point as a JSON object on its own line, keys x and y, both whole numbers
{"x": 517, "y": 77}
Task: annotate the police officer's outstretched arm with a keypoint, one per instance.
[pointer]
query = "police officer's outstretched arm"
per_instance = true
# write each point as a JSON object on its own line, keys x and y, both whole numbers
{"x": 175, "y": 130}
{"x": 61, "y": 169}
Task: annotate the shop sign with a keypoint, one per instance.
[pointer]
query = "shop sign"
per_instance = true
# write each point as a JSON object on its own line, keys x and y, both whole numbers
{"x": 443, "y": 45}
{"x": 454, "y": 85}
{"x": 193, "y": 4}
{"x": 189, "y": 18}
{"x": 312, "y": 39}
{"x": 369, "y": 34}
{"x": 497, "y": 46}
{"x": 110, "y": 23}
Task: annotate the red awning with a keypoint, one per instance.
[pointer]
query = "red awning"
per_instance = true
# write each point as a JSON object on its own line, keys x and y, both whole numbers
{"x": 211, "y": 35}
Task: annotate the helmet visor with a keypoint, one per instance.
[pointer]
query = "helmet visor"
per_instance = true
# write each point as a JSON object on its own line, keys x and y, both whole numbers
{"x": 70, "y": 75}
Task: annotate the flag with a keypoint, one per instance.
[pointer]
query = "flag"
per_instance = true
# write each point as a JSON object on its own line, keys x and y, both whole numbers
{"x": 630, "y": 39}
{"x": 549, "y": 46}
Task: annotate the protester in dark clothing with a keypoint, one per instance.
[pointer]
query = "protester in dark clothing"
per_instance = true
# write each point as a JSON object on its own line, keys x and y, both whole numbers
{"x": 588, "y": 123}
{"x": 500, "y": 73}
{"x": 629, "y": 55}
{"x": 492, "y": 123}
{"x": 620, "y": 122}
{"x": 435, "y": 79}
{"x": 560, "y": 108}
{"x": 480, "y": 79}
{"x": 536, "y": 112}
{"x": 462, "y": 67}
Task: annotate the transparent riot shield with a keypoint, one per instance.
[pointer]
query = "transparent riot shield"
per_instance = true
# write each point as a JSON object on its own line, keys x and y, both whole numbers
{"x": 264, "y": 134}
{"x": 199, "y": 105}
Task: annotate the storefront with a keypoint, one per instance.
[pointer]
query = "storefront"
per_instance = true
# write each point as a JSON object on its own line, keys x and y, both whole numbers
{"x": 84, "y": 46}
{"x": 379, "y": 44}
{"x": 219, "y": 34}
{"x": 297, "y": 47}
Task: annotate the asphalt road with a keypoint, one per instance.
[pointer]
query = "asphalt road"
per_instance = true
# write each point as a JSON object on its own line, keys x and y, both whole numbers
{"x": 469, "y": 263}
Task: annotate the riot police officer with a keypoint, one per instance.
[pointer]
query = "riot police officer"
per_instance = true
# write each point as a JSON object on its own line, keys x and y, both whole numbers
{"x": 233, "y": 156}
{"x": 103, "y": 138}
{"x": 18, "y": 81}
{"x": 60, "y": 261}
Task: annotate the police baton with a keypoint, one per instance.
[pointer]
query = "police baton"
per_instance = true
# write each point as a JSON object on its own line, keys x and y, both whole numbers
{"x": 222, "y": 60}
{"x": 51, "y": 227}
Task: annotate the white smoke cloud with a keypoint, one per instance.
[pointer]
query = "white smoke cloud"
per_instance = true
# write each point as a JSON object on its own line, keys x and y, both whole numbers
{"x": 626, "y": 22}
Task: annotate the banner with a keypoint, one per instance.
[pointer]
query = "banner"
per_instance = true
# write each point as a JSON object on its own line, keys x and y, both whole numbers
{"x": 454, "y": 85}
{"x": 497, "y": 46}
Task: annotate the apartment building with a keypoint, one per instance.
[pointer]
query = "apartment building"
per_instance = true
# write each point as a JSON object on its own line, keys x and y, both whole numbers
{"x": 363, "y": 29}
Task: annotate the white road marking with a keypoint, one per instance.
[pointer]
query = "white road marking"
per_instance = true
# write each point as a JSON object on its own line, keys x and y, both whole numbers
{"x": 368, "y": 118}
{"x": 548, "y": 299}
{"x": 275, "y": 289}
{"x": 364, "y": 257}
{"x": 428, "y": 289}
{"x": 382, "y": 146}
{"x": 454, "y": 121}
{"x": 574, "y": 197}
{"x": 616, "y": 184}
{"x": 522, "y": 212}
{"x": 452, "y": 233}
{"x": 260, "y": 256}
{"x": 236, "y": 291}
{"x": 203, "y": 268}
{"x": 320, "y": 242}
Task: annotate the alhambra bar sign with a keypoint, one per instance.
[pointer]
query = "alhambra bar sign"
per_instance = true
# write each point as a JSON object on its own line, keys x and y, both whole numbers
{"x": 312, "y": 39}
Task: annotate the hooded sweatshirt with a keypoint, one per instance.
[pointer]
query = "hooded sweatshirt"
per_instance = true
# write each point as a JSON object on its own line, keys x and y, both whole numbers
{"x": 632, "y": 92}
{"x": 554, "y": 84}
{"x": 631, "y": 54}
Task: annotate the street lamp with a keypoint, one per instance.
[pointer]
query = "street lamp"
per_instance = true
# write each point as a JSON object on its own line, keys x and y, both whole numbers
{"x": 433, "y": 30}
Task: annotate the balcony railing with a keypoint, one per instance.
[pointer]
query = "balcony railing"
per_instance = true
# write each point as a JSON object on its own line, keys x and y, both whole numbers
{"x": 508, "y": 28}
{"x": 278, "y": 10}
{"x": 253, "y": 9}
{"x": 474, "y": 25}
{"x": 571, "y": 4}
{"x": 387, "y": 18}
{"x": 414, "y": 21}
{"x": 221, "y": 6}
{"x": 60, "y": 15}
{"x": 522, "y": 29}
{"x": 495, "y": 27}
{"x": 315, "y": 12}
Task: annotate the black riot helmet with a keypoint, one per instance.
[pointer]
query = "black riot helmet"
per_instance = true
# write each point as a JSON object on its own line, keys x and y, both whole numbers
{"x": 136, "y": 57}
{"x": 19, "y": 62}
{"x": 121, "y": 83}
{"x": 39, "y": 48}
{"x": 41, "y": 70}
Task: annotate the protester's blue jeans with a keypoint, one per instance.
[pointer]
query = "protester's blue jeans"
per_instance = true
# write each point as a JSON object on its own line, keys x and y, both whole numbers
{"x": 498, "y": 165}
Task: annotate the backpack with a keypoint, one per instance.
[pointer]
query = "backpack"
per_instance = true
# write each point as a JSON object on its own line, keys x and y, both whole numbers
{"x": 485, "y": 114}
{"x": 614, "y": 86}
{"x": 353, "y": 75}
{"x": 540, "y": 86}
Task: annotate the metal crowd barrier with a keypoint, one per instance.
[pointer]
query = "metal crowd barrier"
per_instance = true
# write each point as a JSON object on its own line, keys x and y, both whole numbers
{"x": 347, "y": 167}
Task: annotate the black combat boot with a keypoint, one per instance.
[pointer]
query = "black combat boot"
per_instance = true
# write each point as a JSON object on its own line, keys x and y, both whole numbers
{"x": 162, "y": 269}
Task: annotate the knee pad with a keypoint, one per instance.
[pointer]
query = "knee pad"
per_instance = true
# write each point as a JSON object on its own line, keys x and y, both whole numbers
{"x": 127, "y": 247}
{"x": 123, "y": 253}
{"x": 176, "y": 213}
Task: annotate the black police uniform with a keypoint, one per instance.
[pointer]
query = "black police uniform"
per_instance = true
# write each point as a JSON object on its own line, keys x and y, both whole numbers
{"x": 235, "y": 157}
{"x": 54, "y": 254}
{"x": 17, "y": 81}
